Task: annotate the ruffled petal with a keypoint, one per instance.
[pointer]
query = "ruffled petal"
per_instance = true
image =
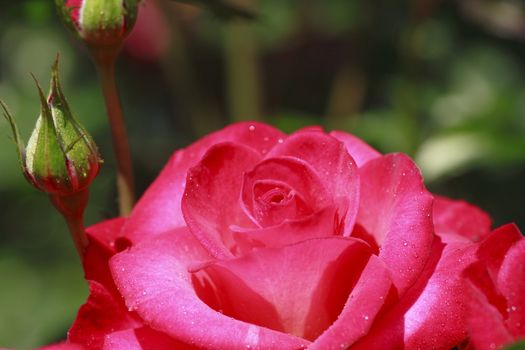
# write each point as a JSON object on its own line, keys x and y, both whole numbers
{"x": 332, "y": 163}
{"x": 159, "y": 209}
{"x": 298, "y": 289}
{"x": 457, "y": 220}
{"x": 154, "y": 280}
{"x": 366, "y": 300}
{"x": 360, "y": 151}
{"x": 396, "y": 212}
{"x": 211, "y": 201}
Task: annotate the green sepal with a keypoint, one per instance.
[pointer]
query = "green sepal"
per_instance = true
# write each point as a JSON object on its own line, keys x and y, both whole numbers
{"x": 64, "y": 13}
{"x": 45, "y": 155}
{"x": 20, "y": 147}
{"x": 78, "y": 146}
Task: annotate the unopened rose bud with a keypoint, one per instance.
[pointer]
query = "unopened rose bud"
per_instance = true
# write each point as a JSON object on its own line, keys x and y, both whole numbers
{"x": 101, "y": 24}
{"x": 61, "y": 159}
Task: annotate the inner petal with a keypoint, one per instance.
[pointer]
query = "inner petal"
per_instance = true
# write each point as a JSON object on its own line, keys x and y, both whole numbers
{"x": 275, "y": 201}
{"x": 299, "y": 289}
{"x": 280, "y": 189}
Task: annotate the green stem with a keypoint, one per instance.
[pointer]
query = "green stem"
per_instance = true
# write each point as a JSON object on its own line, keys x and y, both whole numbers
{"x": 126, "y": 197}
{"x": 72, "y": 209}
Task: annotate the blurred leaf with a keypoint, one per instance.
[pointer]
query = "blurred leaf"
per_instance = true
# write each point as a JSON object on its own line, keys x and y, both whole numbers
{"x": 520, "y": 345}
{"x": 225, "y": 8}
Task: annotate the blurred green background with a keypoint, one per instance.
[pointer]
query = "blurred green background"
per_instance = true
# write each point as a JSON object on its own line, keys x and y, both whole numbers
{"x": 443, "y": 81}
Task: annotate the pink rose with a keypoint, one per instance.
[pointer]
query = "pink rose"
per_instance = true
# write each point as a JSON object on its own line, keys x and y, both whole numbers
{"x": 252, "y": 239}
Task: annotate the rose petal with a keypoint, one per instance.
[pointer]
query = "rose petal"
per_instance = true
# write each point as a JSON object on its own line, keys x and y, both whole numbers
{"x": 143, "y": 338}
{"x": 159, "y": 209}
{"x": 211, "y": 201}
{"x": 431, "y": 314}
{"x": 363, "y": 304}
{"x": 306, "y": 191}
{"x": 459, "y": 221}
{"x": 493, "y": 249}
{"x": 359, "y": 150}
{"x": 298, "y": 289}
{"x": 486, "y": 326}
{"x": 61, "y": 346}
{"x": 100, "y": 315}
{"x": 496, "y": 290}
{"x": 319, "y": 224}
{"x": 396, "y": 210}
{"x": 154, "y": 280}
{"x": 511, "y": 283}
{"x": 332, "y": 163}
{"x": 101, "y": 247}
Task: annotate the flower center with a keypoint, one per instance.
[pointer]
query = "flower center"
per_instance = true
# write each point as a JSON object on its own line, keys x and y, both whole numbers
{"x": 275, "y": 201}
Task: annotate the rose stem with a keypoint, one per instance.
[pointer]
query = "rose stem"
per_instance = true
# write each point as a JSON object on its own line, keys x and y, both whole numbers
{"x": 106, "y": 69}
{"x": 72, "y": 209}
{"x": 242, "y": 69}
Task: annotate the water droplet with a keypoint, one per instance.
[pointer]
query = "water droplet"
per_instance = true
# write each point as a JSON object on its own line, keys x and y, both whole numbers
{"x": 251, "y": 127}
{"x": 266, "y": 138}
{"x": 280, "y": 140}
{"x": 144, "y": 293}
{"x": 122, "y": 269}
{"x": 405, "y": 244}
{"x": 365, "y": 317}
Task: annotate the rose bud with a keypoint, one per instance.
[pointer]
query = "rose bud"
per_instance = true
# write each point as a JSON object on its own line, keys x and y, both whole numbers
{"x": 61, "y": 159}
{"x": 101, "y": 24}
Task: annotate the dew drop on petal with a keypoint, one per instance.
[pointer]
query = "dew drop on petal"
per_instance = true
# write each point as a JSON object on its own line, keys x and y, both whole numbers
{"x": 251, "y": 127}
